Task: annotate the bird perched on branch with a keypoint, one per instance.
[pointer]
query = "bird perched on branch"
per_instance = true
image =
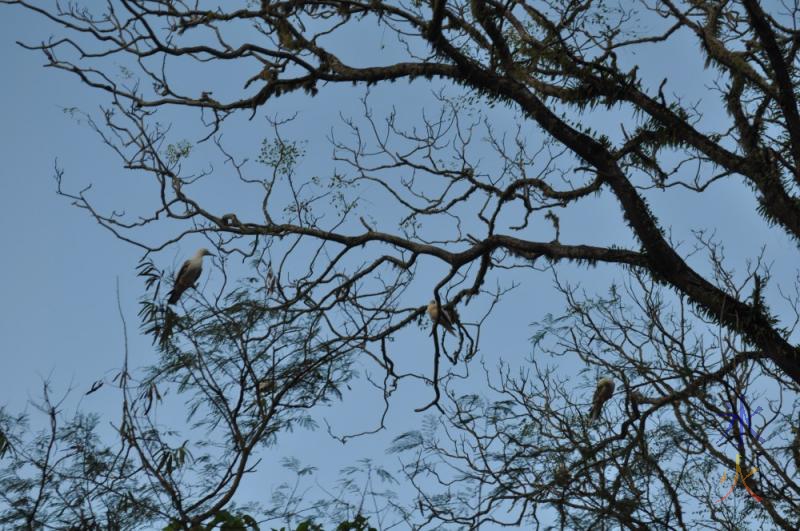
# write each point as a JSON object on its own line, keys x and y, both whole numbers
{"x": 605, "y": 388}
{"x": 561, "y": 476}
{"x": 188, "y": 275}
{"x": 446, "y": 318}
{"x": 267, "y": 384}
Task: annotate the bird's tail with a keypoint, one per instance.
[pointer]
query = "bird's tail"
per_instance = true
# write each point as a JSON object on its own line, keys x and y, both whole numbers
{"x": 594, "y": 414}
{"x": 174, "y": 295}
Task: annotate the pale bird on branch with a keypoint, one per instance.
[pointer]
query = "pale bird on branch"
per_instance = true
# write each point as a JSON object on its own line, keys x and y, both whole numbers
{"x": 267, "y": 385}
{"x": 602, "y": 394}
{"x": 446, "y": 318}
{"x": 188, "y": 275}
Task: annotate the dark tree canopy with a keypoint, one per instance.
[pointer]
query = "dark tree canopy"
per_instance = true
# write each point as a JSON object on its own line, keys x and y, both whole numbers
{"x": 686, "y": 333}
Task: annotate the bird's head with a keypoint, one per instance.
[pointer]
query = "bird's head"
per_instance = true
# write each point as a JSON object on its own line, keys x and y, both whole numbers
{"x": 606, "y": 381}
{"x": 204, "y": 252}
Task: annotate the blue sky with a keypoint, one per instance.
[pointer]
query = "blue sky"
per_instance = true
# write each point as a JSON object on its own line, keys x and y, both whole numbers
{"x": 58, "y": 275}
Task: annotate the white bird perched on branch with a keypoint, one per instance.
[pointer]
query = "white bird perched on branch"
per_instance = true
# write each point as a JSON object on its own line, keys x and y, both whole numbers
{"x": 188, "y": 275}
{"x": 444, "y": 318}
{"x": 605, "y": 388}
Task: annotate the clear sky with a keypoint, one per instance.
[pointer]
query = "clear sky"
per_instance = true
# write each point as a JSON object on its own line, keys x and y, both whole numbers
{"x": 59, "y": 319}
